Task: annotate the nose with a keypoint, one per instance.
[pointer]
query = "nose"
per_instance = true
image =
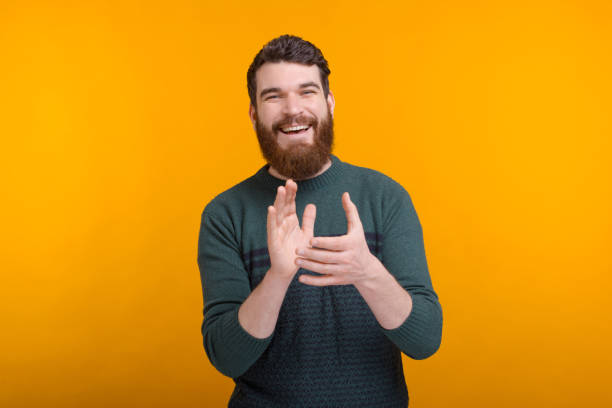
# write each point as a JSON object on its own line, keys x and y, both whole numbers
{"x": 292, "y": 105}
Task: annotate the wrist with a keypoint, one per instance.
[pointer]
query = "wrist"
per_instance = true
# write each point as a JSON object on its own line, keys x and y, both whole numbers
{"x": 375, "y": 273}
{"x": 280, "y": 276}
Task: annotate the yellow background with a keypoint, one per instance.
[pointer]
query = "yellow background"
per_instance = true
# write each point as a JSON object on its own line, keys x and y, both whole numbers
{"x": 120, "y": 120}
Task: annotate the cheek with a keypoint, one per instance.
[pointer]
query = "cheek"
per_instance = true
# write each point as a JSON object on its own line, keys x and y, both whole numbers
{"x": 321, "y": 110}
{"x": 268, "y": 118}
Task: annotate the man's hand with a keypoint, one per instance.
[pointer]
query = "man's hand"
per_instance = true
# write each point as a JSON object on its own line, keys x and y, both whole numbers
{"x": 342, "y": 260}
{"x": 284, "y": 233}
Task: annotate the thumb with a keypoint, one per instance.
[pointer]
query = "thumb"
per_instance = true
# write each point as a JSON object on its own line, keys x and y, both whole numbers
{"x": 308, "y": 220}
{"x": 352, "y": 215}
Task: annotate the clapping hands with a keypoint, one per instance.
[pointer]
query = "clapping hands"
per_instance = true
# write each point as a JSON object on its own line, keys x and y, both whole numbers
{"x": 341, "y": 260}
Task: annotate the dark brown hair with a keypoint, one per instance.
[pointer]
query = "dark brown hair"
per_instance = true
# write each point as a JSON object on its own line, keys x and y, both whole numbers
{"x": 287, "y": 48}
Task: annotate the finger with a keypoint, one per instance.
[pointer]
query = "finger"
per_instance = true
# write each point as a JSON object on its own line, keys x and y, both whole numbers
{"x": 271, "y": 222}
{"x": 320, "y": 280}
{"x": 308, "y": 220}
{"x": 352, "y": 215}
{"x": 326, "y": 269}
{"x": 291, "y": 187}
{"x": 279, "y": 204}
{"x": 320, "y": 255}
{"x": 331, "y": 243}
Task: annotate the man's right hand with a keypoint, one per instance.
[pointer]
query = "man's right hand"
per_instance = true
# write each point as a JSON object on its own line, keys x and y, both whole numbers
{"x": 284, "y": 232}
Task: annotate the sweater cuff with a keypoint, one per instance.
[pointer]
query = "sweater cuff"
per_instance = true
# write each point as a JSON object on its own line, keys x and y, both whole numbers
{"x": 240, "y": 340}
{"x": 412, "y": 335}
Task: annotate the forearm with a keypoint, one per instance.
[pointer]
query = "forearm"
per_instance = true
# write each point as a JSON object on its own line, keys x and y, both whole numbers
{"x": 259, "y": 312}
{"x": 390, "y": 303}
{"x": 412, "y": 320}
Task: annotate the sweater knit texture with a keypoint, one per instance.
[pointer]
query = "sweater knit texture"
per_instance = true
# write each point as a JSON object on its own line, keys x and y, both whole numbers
{"x": 328, "y": 349}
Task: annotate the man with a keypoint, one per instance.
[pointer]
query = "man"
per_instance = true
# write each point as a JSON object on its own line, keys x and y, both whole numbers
{"x": 317, "y": 315}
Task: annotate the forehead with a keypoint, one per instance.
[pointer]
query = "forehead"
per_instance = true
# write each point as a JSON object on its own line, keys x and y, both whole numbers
{"x": 285, "y": 75}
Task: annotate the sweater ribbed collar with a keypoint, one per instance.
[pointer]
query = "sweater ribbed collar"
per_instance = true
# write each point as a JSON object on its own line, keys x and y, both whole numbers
{"x": 329, "y": 176}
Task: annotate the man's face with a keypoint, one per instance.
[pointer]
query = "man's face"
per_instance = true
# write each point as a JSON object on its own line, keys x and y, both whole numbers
{"x": 293, "y": 121}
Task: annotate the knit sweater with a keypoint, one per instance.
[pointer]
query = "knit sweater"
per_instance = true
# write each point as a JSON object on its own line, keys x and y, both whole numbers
{"x": 327, "y": 349}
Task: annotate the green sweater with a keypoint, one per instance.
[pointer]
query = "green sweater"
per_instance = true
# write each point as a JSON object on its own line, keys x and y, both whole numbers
{"x": 327, "y": 348}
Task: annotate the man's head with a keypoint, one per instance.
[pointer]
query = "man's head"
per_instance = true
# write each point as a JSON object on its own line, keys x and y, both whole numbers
{"x": 292, "y": 106}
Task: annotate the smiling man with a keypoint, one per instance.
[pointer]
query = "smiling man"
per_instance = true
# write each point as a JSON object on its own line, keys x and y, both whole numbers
{"x": 293, "y": 120}
{"x": 315, "y": 315}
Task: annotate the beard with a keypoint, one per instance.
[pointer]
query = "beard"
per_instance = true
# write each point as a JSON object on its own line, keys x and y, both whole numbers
{"x": 300, "y": 160}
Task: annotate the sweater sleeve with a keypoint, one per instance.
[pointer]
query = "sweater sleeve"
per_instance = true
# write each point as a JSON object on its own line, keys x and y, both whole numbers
{"x": 403, "y": 254}
{"x": 225, "y": 285}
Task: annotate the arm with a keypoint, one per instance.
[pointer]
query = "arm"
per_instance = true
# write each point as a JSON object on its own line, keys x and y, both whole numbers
{"x": 259, "y": 313}
{"x": 225, "y": 285}
{"x": 390, "y": 303}
{"x": 403, "y": 256}
{"x": 398, "y": 290}
{"x": 234, "y": 317}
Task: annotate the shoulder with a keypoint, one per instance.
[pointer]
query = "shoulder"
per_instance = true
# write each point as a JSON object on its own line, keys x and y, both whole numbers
{"x": 375, "y": 180}
{"x": 230, "y": 201}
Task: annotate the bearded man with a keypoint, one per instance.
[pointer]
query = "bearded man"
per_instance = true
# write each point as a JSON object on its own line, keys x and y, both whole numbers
{"x": 315, "y": 315}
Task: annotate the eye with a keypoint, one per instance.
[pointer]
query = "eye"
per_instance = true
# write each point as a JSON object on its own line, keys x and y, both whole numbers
{"x": 309, "y": 92}
{"x": 271, "y": 96}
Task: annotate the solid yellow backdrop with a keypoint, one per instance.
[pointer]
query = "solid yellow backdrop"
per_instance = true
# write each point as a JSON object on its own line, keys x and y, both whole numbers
{"x": 120, "y": 120}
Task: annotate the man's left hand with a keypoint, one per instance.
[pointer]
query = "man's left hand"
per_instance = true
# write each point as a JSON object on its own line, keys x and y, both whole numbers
{"x": 342, "y": 260}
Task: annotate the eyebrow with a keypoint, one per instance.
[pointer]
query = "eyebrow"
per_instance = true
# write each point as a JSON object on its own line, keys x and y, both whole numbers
{"x": 304, "y": 85}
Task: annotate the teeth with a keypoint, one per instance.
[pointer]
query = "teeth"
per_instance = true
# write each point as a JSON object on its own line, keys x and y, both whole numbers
{"x": 294, "y": 128}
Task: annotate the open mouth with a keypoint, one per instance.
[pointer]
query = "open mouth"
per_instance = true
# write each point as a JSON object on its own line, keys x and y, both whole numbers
{"x": 295, "y": 130}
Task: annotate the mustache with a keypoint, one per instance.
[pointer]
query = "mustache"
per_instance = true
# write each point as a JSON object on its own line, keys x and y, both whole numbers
{"x": 299, "y": 120}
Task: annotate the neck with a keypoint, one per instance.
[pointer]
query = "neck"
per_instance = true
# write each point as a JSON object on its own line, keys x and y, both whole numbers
{"x": 276, "y": 174}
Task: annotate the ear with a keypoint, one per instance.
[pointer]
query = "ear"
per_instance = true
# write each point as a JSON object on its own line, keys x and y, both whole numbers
{"x": 331, "y": 102}
{"x": 252, "y": 114}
